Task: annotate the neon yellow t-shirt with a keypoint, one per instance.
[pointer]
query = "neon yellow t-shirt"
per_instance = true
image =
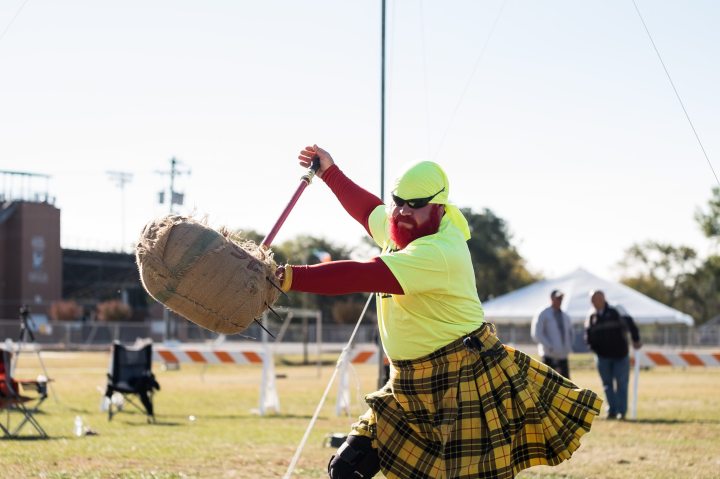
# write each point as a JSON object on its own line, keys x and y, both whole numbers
{"x": 440, "y": 303}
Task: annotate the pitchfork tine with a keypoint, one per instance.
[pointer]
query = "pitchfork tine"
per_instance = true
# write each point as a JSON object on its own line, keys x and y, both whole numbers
{"x": 274, "y": 312}
{"x": 264, "y": 328}
{"x": 276, "y": 287}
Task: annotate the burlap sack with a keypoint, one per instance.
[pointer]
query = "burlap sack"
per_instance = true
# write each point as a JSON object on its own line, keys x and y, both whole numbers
{"x": 205, "y": 276}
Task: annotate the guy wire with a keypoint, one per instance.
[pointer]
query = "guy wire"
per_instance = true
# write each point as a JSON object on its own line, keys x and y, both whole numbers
{"x": 12, "y": 20}
{"x": 344, "y": 353}
{"x": 677, "y": 95}
{"x": 469, "y": 80}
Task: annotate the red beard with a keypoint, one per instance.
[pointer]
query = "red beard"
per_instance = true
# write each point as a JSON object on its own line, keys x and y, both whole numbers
{"x": 403, "y": 236}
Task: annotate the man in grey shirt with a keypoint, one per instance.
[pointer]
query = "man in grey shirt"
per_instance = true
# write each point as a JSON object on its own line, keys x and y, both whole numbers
{"x": 553, "y": 332}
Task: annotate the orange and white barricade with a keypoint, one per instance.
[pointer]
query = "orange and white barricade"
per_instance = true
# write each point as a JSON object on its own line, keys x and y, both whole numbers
{"x": 644, "y": 358}
{"x": 366, "y": 354}
{"x": 363, "y": 354}
{"x": 342, "y": 403}
{"x": 177, "y": 353}
{"x": 182, "y": 354}
{"x": 269, "y": 399}
{"x": 678, "y": 359}
{"x": 356, "y": 355}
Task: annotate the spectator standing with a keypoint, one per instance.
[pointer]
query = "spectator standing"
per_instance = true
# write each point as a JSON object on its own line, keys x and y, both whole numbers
{"x": 552, "y": 330}
{"x": 606, "y": 332}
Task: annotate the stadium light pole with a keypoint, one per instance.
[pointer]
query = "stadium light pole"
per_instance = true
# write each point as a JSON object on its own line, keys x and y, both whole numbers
{"x": 121, "y": 178}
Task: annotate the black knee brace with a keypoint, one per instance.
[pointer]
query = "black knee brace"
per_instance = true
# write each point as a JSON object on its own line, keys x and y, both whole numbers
{"x": 355, "y": 459}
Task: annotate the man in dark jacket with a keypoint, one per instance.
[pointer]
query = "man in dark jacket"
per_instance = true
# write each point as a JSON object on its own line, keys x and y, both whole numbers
{"x": 606, "y": 332}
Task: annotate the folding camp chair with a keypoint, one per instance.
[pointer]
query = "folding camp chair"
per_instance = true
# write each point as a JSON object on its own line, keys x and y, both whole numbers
{"x": 14, "y": 398}
{"x": 131, "y": 374}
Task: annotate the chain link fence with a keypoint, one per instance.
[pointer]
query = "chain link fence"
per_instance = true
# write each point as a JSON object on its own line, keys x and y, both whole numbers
{"x": 302, "y": 327}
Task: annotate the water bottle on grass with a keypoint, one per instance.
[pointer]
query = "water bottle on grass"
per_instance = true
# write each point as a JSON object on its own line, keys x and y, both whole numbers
{"x": 78, "y": 429}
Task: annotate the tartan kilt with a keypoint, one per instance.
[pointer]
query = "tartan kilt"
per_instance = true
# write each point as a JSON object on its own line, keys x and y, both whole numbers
{"x": 484, "y": 412}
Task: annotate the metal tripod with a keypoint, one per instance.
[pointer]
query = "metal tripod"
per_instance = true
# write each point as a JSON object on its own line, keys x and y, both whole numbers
{"x": 26, "y": 336}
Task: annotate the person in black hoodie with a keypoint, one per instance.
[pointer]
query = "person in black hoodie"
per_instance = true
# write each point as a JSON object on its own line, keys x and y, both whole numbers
{"x": 606, "y": 333}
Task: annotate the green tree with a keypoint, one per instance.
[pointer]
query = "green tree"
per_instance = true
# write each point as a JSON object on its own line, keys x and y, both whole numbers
{"x": 700, "y": 293}
{"x": 709, "y": 220}
{"x": 676, "y": 275}
{"x": 498, "y": 266}
{"x": 703, "y": 291}
{"x": 305, "y": 249}
{"x": 256, "y": 237}
{"x": 659, "y": 269}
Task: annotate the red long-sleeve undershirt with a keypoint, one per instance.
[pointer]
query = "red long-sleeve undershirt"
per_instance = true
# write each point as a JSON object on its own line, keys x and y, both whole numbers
{"x": 345, "y": 277}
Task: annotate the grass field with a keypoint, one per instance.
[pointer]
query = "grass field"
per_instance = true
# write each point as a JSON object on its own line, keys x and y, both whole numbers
{"x": 677, "y": 434}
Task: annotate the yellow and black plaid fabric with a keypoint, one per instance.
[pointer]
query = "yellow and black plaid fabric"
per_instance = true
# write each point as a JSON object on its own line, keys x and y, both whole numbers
{"x": 462, "y": 413}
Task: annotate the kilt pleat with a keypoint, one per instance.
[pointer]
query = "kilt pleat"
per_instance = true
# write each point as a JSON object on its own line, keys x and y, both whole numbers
{"x": 461, "y": 413}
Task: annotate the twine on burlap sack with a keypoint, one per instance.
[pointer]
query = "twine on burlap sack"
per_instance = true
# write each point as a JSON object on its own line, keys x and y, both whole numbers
{"x": 206, "y": 275}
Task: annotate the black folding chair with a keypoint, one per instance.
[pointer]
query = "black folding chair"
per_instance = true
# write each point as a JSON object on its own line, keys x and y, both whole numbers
{"x": 131, "y": 374}
{"x": 14, "y": 398}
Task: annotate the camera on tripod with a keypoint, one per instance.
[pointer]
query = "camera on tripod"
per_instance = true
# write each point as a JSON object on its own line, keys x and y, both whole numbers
{"x": 26, "y": 325}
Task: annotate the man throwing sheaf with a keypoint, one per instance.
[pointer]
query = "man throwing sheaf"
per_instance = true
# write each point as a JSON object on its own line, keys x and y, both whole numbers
{"x": 458, "y": 404}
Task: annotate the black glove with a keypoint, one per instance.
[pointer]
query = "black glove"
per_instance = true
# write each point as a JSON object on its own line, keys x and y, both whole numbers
{"x": 355, "y": 459}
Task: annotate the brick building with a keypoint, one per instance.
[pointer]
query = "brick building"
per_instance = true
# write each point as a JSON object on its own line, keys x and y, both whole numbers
{"x": 35, "y": 270}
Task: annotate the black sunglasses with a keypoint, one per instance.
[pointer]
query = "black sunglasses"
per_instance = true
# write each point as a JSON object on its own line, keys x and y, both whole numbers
{"x": 414, "y": 203}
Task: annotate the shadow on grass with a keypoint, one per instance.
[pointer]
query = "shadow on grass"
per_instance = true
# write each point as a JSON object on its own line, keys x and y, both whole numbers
{"x": 133, "y": 418}
{"x": 286, "y": 416}
{"x": 156, "y": 423}
{"x": 38, "y": 412}
{"x": 324, "y": 362}
{"x": 80, "y": 410}
{"x": 243, "y": 416}
{"x": 27, "y": 438}
{"x": 673, "y": 421}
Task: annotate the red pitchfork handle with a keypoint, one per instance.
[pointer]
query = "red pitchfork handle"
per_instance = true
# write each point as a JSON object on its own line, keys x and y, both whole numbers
{"x": 306, "y": 179}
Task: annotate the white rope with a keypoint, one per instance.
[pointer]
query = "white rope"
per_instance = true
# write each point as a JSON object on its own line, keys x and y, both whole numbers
{"x": 469, "y": 80}
{"x": 677, "y": 94}
{"x": 344, "y": 353}
{"x": 12, "y": 20}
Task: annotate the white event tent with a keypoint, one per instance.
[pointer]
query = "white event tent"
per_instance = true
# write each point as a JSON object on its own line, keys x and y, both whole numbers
{"x": 521, "y": 305}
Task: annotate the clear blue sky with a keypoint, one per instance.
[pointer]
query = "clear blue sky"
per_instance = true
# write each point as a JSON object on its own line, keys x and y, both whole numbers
{"x": 561, "y": 121}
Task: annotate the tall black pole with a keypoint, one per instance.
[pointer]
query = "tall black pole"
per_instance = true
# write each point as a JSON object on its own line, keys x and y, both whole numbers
{"x": 381, "y": 357}
{"x": 382, "y": 106}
